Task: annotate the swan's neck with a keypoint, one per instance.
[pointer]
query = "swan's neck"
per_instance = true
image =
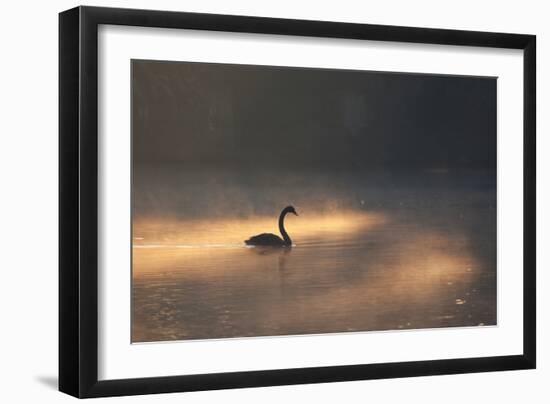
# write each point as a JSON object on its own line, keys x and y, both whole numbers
{"x": 285, "y": 235}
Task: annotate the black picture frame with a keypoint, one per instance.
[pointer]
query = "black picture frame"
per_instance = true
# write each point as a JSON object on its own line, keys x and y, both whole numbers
{"x": 78, "y": 201}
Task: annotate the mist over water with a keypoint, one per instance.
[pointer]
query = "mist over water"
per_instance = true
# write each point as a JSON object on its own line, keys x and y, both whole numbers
{"x": 385, "y": 252}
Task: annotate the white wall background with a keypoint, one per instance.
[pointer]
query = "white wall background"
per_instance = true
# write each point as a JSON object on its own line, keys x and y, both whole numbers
{"x": 28, "y": 186}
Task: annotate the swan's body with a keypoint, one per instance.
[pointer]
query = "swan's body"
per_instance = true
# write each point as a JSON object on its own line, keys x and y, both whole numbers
{"x": 269, "y": 239}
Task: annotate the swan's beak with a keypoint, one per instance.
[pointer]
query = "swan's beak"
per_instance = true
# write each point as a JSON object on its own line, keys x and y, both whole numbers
{"x": 296, "y": 213}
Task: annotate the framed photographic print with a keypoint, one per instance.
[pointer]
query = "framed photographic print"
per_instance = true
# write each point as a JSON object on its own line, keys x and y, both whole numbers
{"x": 251, "y": 201}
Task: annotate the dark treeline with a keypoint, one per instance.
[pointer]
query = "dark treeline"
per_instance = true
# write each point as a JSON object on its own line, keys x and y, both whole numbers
{"x": 244, "y": 117}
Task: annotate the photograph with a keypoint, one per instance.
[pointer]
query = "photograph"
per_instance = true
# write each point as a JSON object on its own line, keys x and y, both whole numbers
{"x": 276, "y": 201}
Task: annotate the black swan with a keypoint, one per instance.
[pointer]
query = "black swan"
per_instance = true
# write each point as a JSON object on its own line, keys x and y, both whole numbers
{"x": 268, "y": 239}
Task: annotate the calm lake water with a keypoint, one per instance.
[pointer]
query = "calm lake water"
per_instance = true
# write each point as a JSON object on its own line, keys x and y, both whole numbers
{"x": 410, "y": 259}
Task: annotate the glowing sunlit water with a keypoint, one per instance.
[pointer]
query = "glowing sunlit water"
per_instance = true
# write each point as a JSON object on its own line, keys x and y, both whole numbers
{"x": 357, "y": 271}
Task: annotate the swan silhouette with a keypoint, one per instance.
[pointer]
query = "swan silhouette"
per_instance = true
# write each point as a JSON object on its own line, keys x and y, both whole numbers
{"x": 268, "y": 239}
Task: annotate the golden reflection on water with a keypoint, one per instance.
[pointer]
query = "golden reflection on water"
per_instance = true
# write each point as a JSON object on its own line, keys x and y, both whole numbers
{"x": 347, "y": 272}
{"x": 232, "y": 231}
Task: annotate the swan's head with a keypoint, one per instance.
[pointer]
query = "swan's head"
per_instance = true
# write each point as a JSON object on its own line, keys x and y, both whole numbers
{"x": 290, "y": 209}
